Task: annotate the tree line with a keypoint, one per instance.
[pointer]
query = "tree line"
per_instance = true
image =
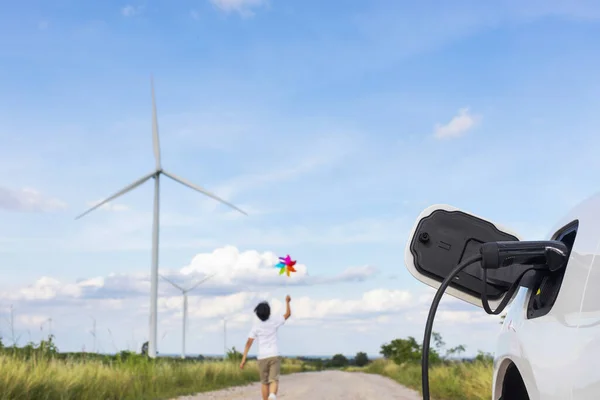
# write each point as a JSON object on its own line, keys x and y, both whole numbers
{"x": 408, "y": 350}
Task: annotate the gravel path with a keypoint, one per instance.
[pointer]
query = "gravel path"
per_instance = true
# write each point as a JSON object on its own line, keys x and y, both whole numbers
{"x": 325, "y": 385}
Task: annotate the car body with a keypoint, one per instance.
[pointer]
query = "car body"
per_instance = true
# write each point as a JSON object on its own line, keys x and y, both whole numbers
{"x": 550, "y": 349}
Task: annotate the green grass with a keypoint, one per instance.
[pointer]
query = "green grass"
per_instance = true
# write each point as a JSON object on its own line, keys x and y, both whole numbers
{"x": 453, "y": 381}
{"x": 50, "y": 378}
{"x": 41, "y": 372}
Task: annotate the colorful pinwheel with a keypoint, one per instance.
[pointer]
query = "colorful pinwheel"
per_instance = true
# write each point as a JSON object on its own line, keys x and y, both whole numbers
{"x": 286, "y": 265}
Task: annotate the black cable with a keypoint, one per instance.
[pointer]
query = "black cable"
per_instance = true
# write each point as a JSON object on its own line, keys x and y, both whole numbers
{"x": 484, "y": 300}
{"x": 429, "y": 325}
{"x": 509, "y": 293}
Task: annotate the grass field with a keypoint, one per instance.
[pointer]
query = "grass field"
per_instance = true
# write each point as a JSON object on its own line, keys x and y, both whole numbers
{"x": 48, "y": 378}
{"x": 42, "y": 372}
{"x": 453, "y": 381}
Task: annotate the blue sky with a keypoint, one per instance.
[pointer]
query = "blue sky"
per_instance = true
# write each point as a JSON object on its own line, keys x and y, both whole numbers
{"x": 319, "y": 119}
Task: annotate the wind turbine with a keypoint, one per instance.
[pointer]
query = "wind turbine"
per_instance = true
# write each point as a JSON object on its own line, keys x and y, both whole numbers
{"x": 93, "y": 333}
{"x": 225, "y": 338}
{"x": 158, "y": 171}
{"x": 184, "y": 292}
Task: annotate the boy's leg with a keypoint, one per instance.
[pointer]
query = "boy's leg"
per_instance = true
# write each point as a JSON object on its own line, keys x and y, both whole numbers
{"x": 273, "y": 387}
{"x": 274, "y": 369}
{"x": 265, "y": 391}
{"x": 263, "y": 370}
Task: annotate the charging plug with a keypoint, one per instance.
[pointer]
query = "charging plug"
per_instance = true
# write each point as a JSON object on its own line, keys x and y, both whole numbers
{"x": 552, "y": 253}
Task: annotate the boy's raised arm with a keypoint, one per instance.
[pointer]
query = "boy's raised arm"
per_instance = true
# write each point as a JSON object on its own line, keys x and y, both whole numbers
{"x": 288, "y": 310}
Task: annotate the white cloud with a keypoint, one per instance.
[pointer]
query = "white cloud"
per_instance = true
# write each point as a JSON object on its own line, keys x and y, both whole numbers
{"x": 109, "y": 206}
{"x": 29, "y": 200}
{"x": 45, "y": 288}
{"x": 243, "y": 7}
{"x": 230, "y": 264}
{"x": 464, "y": 317}
{"x": 458, "y": 125}
{"x": 30, "y": 320}
{"x": 371, "y": 305}
{"x": 376, "y": 311}
{"x": 233, "y": 306}
{"x": 251, "y": 269}
{"x": 236, "y": 272}
{"x": 374, "y": 316}
{"x": 130, "y": 10}
{"x": 238, "y": 307}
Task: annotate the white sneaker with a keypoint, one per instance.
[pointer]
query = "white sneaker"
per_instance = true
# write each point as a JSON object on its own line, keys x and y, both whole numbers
{"x": 272, "y": 396}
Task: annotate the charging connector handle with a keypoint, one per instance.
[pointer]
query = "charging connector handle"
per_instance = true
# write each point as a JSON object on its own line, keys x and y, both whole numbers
{"x": 552, "y": 253}
{"x": 549, "y": 256}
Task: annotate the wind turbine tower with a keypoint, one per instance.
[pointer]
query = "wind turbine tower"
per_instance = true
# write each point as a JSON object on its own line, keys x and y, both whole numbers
{"x": 184, "y": 292}
{"x": 224, "y": 338}
{"x": 158, "y": 171}
{"x": 93, "y": 332}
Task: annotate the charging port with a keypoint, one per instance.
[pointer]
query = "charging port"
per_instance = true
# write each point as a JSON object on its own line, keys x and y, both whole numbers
{"x": 545, "y": 293}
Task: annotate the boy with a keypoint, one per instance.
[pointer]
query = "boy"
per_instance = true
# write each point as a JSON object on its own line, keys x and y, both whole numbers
{"x": 265, "y": 330}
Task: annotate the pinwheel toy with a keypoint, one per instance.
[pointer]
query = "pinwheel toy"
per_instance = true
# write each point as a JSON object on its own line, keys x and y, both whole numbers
{"x": 286, "y": 265}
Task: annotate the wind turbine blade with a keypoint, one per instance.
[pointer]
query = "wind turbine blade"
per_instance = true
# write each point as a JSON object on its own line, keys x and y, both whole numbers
{"x": 155, "y": 140}
{"x": 201, "y": 282}
{"x": 172, "y": 283}
{"x": 201, "y": 190}
{"x": 119, "y": 193}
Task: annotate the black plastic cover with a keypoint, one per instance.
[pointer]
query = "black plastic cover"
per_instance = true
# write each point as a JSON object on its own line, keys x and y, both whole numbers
{"x": 445, "y": 238}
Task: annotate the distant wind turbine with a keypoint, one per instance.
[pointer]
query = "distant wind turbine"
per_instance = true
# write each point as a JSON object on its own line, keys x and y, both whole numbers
{"x": 158, "y": 171}
{"x": 184, "y": 292}
{"x": 225, "y": 338}
{"x": 93, "y": 333}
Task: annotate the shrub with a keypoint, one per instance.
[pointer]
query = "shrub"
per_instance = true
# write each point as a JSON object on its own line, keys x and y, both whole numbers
{"x": 361, "y": 359}
{"x": 339, "y": 361}
{"x": 233, "y": 355}
{"x": 448, "y": 381}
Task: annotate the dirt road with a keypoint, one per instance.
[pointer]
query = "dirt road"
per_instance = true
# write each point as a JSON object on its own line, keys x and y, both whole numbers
{"x": 326, "y": 385}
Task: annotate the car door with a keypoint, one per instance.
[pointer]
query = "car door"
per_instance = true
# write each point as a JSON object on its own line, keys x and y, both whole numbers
{"x": 543, "y": 321}
{"x": 585, "y": 372}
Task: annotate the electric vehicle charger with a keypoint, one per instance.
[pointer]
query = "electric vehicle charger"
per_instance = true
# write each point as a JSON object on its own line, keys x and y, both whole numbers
{"x": 523, "y": 256}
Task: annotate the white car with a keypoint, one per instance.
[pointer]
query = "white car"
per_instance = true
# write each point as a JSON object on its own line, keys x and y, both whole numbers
{"x": 549, "y": 344}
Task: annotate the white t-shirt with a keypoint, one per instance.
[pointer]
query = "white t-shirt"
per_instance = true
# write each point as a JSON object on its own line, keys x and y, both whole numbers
{"x": 265, "y": 333}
